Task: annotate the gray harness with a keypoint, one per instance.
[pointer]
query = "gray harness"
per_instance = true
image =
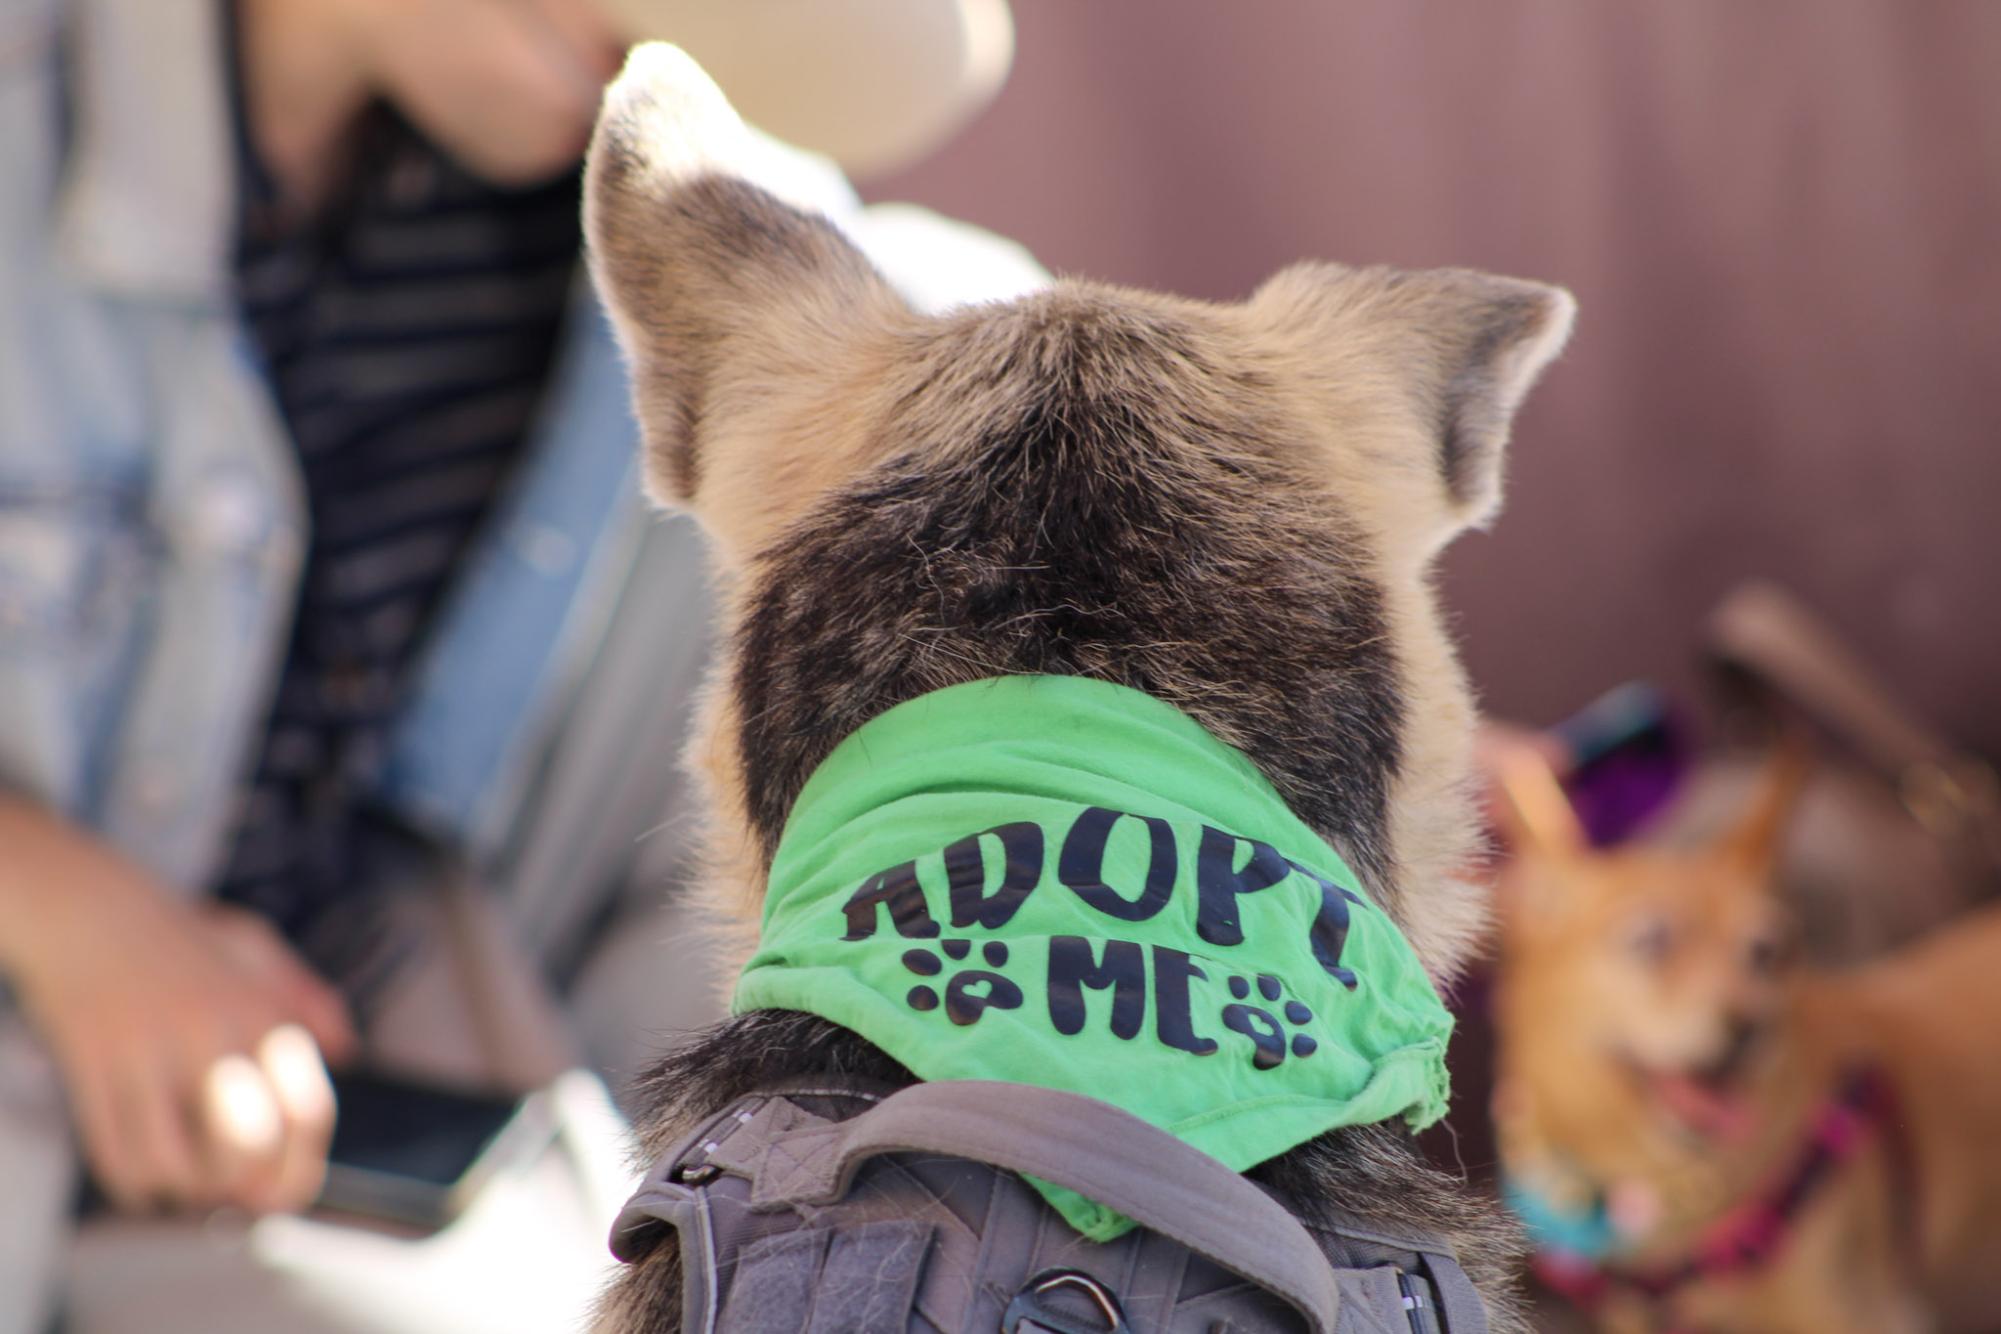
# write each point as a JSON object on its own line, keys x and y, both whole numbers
{"x": 842, "y": 1210}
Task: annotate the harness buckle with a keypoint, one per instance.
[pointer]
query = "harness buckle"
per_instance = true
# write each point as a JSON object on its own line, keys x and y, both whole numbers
{"x": 1420, "y": 1306}
{"x": 1031, "y": 1313}
{"x": 693, "y": 1174}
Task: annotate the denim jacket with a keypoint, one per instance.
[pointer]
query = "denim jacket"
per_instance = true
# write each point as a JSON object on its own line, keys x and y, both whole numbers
{"x": 152, "y": 526}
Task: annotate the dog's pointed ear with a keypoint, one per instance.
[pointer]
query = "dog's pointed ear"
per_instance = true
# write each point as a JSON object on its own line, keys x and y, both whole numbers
{"x": 1465, "y": 347}
{"x": 1757, "y": 839}
{"x": 719, "y": 292}
{"x": 1532, "y": 812}
{"x": 1543, "y": 885}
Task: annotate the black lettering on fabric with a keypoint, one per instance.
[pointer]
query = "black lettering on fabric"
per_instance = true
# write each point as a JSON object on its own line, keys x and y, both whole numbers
{"x": 1218, "y": 882}
{"x": 898, "y": 890}
{"x": 1072, "y": 968}
{"x": 1262, "y": 1026}
{"x": 966, "y": 875}
{"x": 1329, "y": 934}
{"x": 964, "y": 1005}
{"x": 1171, "y": 1017}
{"x": 1081, "y": 865}
{"x": 1267, "y": 1037}
{"x": 969, "y": 992}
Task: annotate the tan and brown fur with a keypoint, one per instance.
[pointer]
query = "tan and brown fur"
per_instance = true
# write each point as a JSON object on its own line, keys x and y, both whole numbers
{"x": 1232, "y": 507}
{"x": 1624, "y": 969}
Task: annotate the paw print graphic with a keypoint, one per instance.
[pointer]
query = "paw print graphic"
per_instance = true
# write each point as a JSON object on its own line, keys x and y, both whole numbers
{"x": 969, "y": 992}
{"x": 1263, "y": 1028}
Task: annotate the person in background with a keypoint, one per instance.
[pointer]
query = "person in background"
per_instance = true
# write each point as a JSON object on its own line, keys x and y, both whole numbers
{"x": 322, "y": 572}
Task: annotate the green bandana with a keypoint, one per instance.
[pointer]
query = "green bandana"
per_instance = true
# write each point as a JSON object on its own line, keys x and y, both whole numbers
{"x": 1062, "y": 882}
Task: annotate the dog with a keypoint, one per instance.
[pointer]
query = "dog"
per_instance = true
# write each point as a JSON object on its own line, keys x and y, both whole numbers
{"x": 1231, "y": 508}
{"x": 1767, "y": 1147}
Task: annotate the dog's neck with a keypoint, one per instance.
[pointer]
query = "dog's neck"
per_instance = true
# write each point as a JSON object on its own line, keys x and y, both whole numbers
{"x": 1057, "y": 881}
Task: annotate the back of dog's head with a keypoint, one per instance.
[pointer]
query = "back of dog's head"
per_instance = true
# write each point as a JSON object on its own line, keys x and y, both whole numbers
{"x": 1233, "y": 507}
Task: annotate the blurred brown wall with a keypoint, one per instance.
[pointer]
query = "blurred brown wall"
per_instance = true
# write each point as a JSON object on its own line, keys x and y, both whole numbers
{"x": 1782, "y": 219}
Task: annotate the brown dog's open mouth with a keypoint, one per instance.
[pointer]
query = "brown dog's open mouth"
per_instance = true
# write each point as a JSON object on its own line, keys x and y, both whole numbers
{"x": 1709, "y": 1103}
{"x": 1712, "y": 1111}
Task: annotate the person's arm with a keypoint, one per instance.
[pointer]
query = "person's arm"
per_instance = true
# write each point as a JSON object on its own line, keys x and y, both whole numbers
{"x": 189, "y": 1036}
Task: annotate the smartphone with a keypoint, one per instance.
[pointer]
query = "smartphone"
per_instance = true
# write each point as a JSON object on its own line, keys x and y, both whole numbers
{"x": 415, "y": 1154}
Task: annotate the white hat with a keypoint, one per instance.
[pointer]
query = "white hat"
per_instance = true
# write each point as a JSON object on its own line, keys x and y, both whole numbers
{"x": 874, "y": 84}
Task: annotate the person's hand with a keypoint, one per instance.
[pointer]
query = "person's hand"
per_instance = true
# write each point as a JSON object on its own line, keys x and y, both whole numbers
{"x": 189, "y": 1036}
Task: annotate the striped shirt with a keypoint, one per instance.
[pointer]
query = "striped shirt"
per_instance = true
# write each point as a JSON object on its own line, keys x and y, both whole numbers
{"x": 408, "y": 331}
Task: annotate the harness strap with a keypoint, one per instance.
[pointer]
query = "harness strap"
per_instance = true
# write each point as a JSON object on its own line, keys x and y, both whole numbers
{"x": 1084, "y": 1145}
{"x": 795, "y": 1160}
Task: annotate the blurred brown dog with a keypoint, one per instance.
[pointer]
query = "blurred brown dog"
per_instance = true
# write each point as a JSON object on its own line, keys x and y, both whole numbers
{"x": 1768, "y": 1148}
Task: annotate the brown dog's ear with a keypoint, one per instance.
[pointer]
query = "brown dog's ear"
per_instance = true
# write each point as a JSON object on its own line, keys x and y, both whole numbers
{"x": 1532, "y": 812}
{"x": 1463, "y": 346}
{"x": 723, "y": 297}
{"x": 1547, "y": 880}
{"x": 1759, "y": 836}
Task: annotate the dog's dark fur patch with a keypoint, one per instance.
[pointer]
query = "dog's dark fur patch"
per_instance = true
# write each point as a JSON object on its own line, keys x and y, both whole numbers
{"x": 1115, "y": 528}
